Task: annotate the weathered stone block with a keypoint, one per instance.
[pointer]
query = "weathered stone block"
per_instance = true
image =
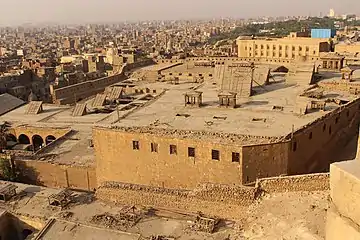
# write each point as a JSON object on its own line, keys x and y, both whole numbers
{"x": 345, "y": 189}
{"x": 338, "y": 227}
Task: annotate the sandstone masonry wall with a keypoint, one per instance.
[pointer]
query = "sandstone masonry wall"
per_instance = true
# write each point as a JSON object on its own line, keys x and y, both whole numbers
{"x": 218, "y": 200}
{"x": 55, "y": 175}
{"x": 264, "y": 160}
{"x": 343, "y": 217}
{"x": 117, "y": 160}
{"x": 308, "y": 182}
{"x": 313, "y": 146}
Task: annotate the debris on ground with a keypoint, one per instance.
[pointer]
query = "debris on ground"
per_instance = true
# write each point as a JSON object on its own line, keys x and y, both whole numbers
{"x": 204, "y": 224}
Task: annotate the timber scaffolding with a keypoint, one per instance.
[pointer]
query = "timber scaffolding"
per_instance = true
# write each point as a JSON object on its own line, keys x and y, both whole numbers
{"x": 7, "y": 191}
{"x": 127, "y": 217}
{"x": 205, "y": 224}
{"x": 60, "y": 199}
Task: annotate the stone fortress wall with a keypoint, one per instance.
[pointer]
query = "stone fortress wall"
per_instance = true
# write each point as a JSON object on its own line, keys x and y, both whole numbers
{"x": 225, "y": 201}
{"x": 306, "y": 150}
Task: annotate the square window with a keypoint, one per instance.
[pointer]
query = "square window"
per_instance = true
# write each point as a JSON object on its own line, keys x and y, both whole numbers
{"x": 154, "y": 147}
{"x": 191, "y": 152}
{"x": 136, "y": 145}
{"x": 235, "y": 157}
{"x": 173, "y": 149}
{"x": 215, "y": 155}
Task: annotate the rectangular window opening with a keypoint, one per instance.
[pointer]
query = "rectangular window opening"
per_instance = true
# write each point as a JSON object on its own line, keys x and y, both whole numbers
{"x": 154, "y": 147}
{"x": 173, "y": 149}
{"x": 136, "y": 145}
{"x": 191, "y": 152}
{"x": 235, "y": 157}
{"x": 215, "y": 155}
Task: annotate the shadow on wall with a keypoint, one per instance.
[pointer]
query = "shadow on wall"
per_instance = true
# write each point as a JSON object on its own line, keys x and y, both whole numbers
{"x": 350, "y": 149}
{"x": 27, "y": 174}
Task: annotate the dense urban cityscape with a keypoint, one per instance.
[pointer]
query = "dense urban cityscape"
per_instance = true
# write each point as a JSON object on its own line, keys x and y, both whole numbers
{"x": 221, "y": 129}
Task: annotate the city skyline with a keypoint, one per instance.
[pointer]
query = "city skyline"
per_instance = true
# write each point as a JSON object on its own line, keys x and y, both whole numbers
{"x": 91, "y": 11}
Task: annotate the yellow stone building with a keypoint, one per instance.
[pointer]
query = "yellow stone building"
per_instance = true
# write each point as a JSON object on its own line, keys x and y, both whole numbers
{"x": 347, "y": 48}
{"x": 292, "y": 47}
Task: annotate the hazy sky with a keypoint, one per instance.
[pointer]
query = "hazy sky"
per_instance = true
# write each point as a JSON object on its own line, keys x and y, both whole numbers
{"x": 15, "y": 12}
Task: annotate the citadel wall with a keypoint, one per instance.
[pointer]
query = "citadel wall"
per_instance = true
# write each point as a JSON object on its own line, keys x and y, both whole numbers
{"x": 309, "y": 149}
{"x": 55, "y": 175}
{"x": 117, "y": 160}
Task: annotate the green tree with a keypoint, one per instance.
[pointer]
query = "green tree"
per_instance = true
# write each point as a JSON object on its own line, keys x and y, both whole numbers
{"x": 4, "y": 128}
{"x": 7, "y": 172}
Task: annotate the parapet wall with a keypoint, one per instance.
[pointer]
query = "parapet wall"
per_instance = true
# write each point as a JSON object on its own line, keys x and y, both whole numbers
{"x": 239, "y": 139}
{"x": 218, "y": 200}
{"x": 307, "y": 182}
{"x": 222, "y": 60}
{"x": 340, "y": 85}
{"x": 55, "y": 175}
{"x": 225, "y": 201}
{"x": 69, "y": 94}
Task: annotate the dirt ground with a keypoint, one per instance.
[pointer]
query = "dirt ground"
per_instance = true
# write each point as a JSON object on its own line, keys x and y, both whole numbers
{"x": 287, "y": 216}
{"x": 281, "y": 216}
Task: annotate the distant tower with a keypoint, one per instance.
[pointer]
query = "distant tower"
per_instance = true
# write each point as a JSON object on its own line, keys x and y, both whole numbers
{"x": 332, "y": 13}
{"x": 169, "y": 45}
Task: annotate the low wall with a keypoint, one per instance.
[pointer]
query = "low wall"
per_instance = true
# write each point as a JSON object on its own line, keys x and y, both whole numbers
{"x": 308, "y": 182}
{"x": 222, "y": 60}
{"x": 67, "y": 95}
{"x": 216, "y": 200}
{"x": 341, "y": 85}
{"x": 55, "y": 175}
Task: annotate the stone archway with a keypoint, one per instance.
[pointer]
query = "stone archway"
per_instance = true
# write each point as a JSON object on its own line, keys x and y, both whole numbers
{"x": 49, "y": 139}
{"x": 37, "y": 142}
{"x": 23, "y": 139}
{"x": 11, "y": 138}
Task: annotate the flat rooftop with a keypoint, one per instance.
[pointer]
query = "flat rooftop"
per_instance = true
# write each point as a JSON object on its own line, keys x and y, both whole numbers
{"x": 18, "y": 115}
{"x": 158, "y": 67}
{"x": 254, "y": 116}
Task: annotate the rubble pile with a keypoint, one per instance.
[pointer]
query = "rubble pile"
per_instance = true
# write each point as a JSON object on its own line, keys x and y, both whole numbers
{"x": 126, "y": 218}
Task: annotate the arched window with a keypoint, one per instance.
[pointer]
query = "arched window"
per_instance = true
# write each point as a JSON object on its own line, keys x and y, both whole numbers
{"x": 10, "y": 138}
{"x": 38, "y": 142}
{"x": 23, "y": 139}
{"x": 49, "y": 139}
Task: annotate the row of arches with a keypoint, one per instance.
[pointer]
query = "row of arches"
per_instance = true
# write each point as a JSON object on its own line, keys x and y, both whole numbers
{"x": 36, "y": 140}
